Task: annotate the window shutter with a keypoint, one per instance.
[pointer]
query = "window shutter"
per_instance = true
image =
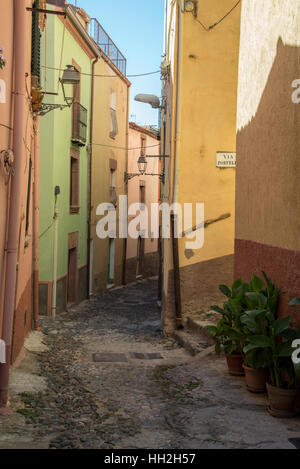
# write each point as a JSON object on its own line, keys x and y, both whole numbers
{"x": 36, "y": 44}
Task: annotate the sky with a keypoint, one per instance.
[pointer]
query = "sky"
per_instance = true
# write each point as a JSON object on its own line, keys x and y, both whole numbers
{"x": 136, "y": 27}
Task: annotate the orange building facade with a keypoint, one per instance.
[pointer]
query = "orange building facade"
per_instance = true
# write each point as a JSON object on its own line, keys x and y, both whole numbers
{"x": 18, "y": 140}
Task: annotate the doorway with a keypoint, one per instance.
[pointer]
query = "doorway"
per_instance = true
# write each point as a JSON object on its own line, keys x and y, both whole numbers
{"x": 111, "y": 262}
{"x": 140, "y": 256}
{"x": 72, "y": 284}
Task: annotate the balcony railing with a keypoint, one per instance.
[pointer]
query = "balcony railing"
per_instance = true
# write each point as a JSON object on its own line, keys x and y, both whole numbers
{"x": 105, "y": 43}
{"x": 79, "y": 129}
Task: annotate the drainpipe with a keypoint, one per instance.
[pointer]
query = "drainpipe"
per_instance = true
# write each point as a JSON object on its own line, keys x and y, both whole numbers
{"x": 55, "y": 249}
{"x": 176, "y": 263}
{"x": 126, "y": 191}
{"x": 16, "y": 187}
{"x": 36, "y": 225}
{"x": 89, "y": 273}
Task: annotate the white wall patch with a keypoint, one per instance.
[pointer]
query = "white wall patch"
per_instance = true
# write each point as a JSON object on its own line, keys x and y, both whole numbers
{"x": 2, "y": 92}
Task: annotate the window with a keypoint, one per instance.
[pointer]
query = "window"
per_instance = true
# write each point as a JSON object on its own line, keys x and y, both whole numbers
{"x": 74, "y": 182}
{"x": 113, "y": 192}
{"x": 79, "y": 128}
{"x": 113, "y": 115}
{"x": 77, "y": 88}
{"x": 142, "y": 194}
{"x": 143, "y": 145}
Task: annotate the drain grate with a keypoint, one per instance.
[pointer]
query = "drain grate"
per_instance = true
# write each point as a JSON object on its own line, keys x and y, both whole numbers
{"x": 146, "y": 356}
{"x": 109, "y": 358}
{"x": 295, "y": 442}
{"x": 137, "y": 356}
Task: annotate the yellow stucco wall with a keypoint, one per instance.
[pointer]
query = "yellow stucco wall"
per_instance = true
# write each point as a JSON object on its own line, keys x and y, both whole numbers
{"x": 201, "y": 121}
{"x": 209, "y": 71}
{"x": 105, "y": 149}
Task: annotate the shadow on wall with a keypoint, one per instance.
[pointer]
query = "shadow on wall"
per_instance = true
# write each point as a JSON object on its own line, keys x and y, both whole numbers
{"x": 268, "y": 189}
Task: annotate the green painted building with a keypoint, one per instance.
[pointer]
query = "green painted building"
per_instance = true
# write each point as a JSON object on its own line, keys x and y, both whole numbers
{"x": 64, "y": 159}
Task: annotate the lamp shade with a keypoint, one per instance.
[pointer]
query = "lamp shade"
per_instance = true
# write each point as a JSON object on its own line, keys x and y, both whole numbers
{"x": 142, "y": 164}
{"x": 70, "y": 76}
{"x": 148, "y": 99}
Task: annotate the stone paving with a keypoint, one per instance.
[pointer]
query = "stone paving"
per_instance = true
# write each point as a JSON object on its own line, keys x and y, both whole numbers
{"x": 111, "y": 381}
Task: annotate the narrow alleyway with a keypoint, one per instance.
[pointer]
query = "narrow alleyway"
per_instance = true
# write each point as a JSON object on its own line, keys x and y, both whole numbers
{"x": 113, "y": 382}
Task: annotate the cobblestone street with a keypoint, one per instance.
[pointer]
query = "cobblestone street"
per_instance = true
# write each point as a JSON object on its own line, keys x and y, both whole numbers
{"x": 112, "y": 382}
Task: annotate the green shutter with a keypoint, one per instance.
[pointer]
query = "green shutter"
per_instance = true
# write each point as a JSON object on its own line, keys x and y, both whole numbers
{"x": 36, "y": 44}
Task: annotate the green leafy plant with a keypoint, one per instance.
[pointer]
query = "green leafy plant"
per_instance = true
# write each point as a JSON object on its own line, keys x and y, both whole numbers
{"x": 263, "y": 304}
{"x": 269, "y": 342}
{"x": 231, "y": 332}
{"x": 269, "y": 339}
{"x": 271, "y": 346}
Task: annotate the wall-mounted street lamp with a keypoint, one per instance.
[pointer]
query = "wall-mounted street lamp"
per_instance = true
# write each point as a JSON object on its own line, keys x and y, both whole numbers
{"x": 151, "y": 99}
{"x": 142, "y": 165}
{"x": 70, "y": 77}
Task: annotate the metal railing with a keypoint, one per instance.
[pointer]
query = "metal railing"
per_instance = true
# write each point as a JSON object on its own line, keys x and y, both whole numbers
{"x": 79, "y": 128}
{"x": 105, "y": 43}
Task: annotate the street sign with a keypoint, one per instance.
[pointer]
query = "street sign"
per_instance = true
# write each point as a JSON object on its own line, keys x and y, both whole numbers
{"x": 226, "y": 160}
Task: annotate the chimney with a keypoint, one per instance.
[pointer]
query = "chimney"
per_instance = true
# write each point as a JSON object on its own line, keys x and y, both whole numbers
{"x": 83, "y": 17}
{"x": 58, "y": 3}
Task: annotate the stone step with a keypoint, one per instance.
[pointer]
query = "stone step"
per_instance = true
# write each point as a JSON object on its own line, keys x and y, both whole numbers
{"x": 191, "y": 342}
{"x": 197, "y": 327}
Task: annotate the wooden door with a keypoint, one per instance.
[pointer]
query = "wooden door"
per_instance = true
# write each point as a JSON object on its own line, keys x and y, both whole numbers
{"x": 72, "y": 276}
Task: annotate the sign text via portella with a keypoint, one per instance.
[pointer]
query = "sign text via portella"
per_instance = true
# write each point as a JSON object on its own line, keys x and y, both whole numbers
{"x": 226, "y": 160}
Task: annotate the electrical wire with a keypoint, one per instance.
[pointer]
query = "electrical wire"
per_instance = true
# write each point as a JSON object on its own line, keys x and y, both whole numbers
{"x": 47, "y": 229}
{"x": 220, "y": 21}
{"x": 123, "y": 148}
{"x": 6, "y": 126}
{"x": 105, "y": 76}
{"x": 61, "y": 55}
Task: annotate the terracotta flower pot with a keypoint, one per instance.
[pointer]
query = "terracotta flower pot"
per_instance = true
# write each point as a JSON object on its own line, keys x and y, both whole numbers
{"x": 282, "y": 402}
{"x": 235, "y": 365}
{"x": 256, "y": 380}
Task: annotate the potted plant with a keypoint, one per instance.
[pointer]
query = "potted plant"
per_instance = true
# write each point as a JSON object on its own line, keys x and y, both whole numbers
{"x": 255, "y": 373}
{"x": 256, "y": 360}
{"x": 275, "y": 344}
{"x": 229, "y": 332}
{"x": 263, "y": 305}
{"x": 228, "y": 340}
{"x": 296, "y": 355}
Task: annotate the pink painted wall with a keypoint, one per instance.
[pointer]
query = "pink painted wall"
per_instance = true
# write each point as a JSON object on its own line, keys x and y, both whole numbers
{"x": 6, "y": 42}
{"x": 152, "y": 183}
{"x": 23, "y": 294}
